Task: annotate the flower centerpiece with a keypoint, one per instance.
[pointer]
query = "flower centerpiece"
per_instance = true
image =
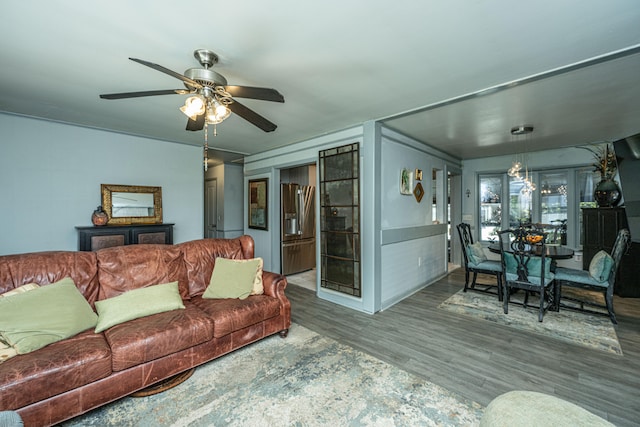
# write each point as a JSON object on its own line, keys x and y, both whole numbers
{"x": 607, "y": 193}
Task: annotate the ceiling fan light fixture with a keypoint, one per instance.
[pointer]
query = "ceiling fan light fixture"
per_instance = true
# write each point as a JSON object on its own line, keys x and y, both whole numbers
{"x": 217, "y": 112}
{"x": 193, "y": 107}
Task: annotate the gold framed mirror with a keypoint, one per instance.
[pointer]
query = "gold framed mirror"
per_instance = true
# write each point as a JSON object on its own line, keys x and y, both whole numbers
{"x": 132, "y": 204}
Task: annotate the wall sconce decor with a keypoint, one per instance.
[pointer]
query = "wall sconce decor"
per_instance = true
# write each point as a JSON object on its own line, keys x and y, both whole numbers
{"x": 468, "y": 193}
{"x": 418, "y": 175}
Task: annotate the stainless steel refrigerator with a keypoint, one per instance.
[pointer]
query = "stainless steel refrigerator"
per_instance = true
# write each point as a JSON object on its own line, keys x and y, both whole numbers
{"x": 298, "y": 228}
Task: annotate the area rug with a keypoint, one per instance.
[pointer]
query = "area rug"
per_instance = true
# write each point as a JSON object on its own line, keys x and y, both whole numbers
{"x": 587, "y": 330}
{"x": 303, "y": 380}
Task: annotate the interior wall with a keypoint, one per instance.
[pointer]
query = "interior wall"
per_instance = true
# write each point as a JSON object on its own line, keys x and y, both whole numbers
{"x": 50, "y": 176}
{"x": 270, "y": 164}
{"x": 414, "y": 247}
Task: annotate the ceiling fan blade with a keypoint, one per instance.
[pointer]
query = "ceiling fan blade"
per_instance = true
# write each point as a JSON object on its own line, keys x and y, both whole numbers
{"x": 145, "y": 93}
{"x": 262, "y": 93}
{"x": 252, "y": 117}
{"x": 162, "y": 69}
{"x": 197, "y": 124}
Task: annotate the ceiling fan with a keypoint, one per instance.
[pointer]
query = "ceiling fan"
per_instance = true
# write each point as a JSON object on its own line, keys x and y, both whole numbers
{"x": 211, "y": 100}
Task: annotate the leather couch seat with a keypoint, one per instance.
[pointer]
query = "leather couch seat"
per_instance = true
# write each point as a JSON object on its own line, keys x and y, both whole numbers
{"x": 229, "y": 315}
{"x": 151, "y": 337}
{"x": 54, "y": 369}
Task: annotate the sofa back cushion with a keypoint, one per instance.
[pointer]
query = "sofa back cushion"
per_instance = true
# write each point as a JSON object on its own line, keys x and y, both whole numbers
{"x": 45, "y": 268}
{"x": 124, "y": 268}
{"x": 200, "y": 257}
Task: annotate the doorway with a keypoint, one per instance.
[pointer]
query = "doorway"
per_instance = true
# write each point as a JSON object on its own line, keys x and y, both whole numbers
{"x": 211, "y": 208}
{"x": 454, "y": 216}
{"x": 298, "y": 225}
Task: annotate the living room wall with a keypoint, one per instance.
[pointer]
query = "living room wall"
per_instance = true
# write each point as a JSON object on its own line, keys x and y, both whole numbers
{"x": 50, "y": 176}
{"x": 413, "y": 247}
{"x": 395, "y": 229}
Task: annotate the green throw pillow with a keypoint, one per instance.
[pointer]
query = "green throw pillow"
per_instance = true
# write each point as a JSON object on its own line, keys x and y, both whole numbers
{"x": 34, "y": 319}
{"x": 233, "y": 279}
{"x": 600, "y": 266}
{"x": 476, "y": 254}
{"x": 137, "y": 303}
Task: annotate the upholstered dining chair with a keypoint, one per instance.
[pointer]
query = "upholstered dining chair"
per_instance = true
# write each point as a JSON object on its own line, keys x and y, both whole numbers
{"x": 475, "y": 261}
{"x": 601, "y": 275}
{"x": 526, "y": 267}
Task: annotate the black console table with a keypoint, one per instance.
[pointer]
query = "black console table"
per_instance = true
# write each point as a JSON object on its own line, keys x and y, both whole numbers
{"x": 94, "y": 238}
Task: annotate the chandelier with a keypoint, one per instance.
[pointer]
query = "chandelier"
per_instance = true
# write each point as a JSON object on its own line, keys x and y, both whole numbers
{"x": 210, "y": 105}
{"x": 520, "y": 162}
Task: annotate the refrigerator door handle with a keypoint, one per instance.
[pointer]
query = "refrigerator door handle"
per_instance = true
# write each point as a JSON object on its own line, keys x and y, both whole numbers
{"x": 300, "y": 210}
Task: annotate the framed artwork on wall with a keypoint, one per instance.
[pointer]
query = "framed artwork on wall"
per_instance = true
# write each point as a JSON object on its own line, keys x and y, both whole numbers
{"x": 418, "y": 192}
{"x": 258, "y": 203}
{"x": 406, "y": 182}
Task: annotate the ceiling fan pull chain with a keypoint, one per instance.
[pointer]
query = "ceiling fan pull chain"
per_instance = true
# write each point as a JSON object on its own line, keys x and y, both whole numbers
{"x": 206, "y": 146}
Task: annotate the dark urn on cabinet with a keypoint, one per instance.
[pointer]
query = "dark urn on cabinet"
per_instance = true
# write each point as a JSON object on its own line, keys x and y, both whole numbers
{"x": 99, "y": 217}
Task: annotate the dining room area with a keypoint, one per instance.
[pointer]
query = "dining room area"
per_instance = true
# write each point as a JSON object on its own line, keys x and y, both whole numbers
{"x": 526, "y": 272}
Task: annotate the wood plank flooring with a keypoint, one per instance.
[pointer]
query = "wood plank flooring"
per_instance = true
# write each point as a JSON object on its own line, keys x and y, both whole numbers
{"x": 480, "y": 360}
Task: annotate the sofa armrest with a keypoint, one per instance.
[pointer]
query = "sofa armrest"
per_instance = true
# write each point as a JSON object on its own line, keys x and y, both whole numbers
{"x": 274, "y": 284}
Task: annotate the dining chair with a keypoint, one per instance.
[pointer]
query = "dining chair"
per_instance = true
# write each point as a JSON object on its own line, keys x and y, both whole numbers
{"x": 525, "y": 270}
{"x": 601, "y": 276}
{"x": 475, "y": 261}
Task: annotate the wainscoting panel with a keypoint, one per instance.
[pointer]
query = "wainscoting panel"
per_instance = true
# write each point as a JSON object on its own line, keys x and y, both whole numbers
{"x": 411, "y": 265}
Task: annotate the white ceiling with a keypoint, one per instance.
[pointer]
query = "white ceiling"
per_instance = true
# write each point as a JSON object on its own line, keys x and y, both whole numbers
{"x": 454, "y": 74}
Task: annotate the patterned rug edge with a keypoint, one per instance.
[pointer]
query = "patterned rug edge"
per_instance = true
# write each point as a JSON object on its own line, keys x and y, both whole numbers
{"x": 586, "y": 330}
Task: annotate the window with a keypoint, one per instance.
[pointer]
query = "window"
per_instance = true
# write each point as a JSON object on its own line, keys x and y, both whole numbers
{"x": 549, "y": 204}
{"x": 553, "y": 205}
{"x": 490, "y": 206}
{"x": 520, "y": 204}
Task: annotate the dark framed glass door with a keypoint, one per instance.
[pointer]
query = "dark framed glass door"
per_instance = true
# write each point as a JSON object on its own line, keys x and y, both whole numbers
{"x": 340, "y": 219}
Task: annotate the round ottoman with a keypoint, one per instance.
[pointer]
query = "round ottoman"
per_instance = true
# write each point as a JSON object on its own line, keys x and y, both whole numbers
{"x": 531, "y": 409}
{"x": 10, "y": 419}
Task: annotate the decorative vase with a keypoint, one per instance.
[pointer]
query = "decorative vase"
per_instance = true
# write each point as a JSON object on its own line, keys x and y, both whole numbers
{"x": 607, "y": 193}
{"x": 99, "y": 217}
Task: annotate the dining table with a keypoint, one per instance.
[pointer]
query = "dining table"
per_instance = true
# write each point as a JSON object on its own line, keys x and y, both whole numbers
{"x": 554, "y": 252}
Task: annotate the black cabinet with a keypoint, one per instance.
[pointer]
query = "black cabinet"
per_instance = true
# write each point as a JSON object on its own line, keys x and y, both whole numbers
{"x": 94, "y": 238}
{"x": 600, "y": 229}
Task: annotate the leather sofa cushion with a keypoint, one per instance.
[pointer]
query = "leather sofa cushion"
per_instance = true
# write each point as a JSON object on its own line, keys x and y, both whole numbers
{"x": 54, "y": 369}
{"x": 123, "y": 268}
{"x": 230, "y": 315}
{"x": 200, "y": 256}
{"x": 45, "y": 268}
{"x": 148, "y": 338}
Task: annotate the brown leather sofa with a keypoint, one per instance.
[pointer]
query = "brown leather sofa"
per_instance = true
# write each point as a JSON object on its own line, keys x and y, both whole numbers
{"x": 73, "y": 376}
